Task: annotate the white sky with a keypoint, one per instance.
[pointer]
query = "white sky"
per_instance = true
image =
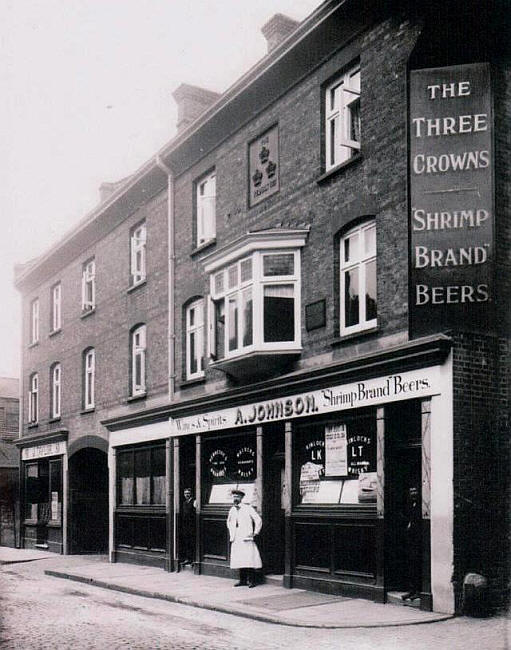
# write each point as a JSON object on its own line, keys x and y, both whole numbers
{"x": 86, "y": 98}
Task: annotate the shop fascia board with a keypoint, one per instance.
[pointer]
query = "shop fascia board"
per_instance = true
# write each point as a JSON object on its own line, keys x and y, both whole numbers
{"x": 307, "y": 47}
{"x": 419, "y": 353}
{"x": 42, "y": 438}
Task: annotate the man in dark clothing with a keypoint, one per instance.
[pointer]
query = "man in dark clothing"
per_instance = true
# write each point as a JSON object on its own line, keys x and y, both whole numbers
{"x": 413, "y": 544}
{"x": 188, "y": 527}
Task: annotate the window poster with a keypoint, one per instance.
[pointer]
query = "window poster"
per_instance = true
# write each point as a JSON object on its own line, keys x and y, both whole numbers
{"x": 336, "y": 450}
{"x": 263, "y": 155}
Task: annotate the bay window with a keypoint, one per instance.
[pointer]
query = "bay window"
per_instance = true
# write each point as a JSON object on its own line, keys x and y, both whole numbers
{"x": 342, "y": 118}
{"x": 358, "y": 279}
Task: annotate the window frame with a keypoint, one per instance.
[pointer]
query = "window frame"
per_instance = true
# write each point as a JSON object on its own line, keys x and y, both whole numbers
{"x": 33, "y": 399}
{"x": 138, "y": 350}
{"x": 138, "y": 253}
{"x": 130, "y": 454}
{"x": 205, "y": 224}
{"x": 197, "y": 330}
{"x": 257, "y": 284}
{"x": 34, "y": 321}
{"x": 361, "y": 263}
{"x": 339, "y": 99}
{"x": 55, "y": 390}
{"x": 56, "y": 307}
{"x": 89, "y": 371}
{"x": 89, "y": 282}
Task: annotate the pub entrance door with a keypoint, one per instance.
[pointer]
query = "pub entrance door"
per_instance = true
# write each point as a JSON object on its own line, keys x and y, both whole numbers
{"x": 273, "y": 536}
{"x": 403, "y": 470}
{"x": 88, "y": 501}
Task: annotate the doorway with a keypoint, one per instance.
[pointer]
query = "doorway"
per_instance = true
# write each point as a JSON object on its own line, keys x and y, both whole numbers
{"x": 403, "y": 470}
{"x": 273, "y": 534}
{"x": 88, "y": 501}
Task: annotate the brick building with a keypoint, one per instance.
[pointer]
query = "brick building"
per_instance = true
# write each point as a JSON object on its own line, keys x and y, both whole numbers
{"x": 9, "y": 461}
{"x": 304, "y": 294}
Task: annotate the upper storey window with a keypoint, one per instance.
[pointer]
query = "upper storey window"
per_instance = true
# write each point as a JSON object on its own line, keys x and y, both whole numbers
{"x": 255, "y": 296}
{"x": 358, "y": 279}
{"x": 342, "y": 118}
{"x": 206, "y": 209}
{"x": 89, "y": 286}
{"x": 34, "y": 321}
{"x": 56, "y": 307}
{"x": 195, "y": 339}
{"x": 89, "y": 378}
{"x": 138, "y": 253}
{"x": 33, "y": 399}
{"x": 138, "y": 360}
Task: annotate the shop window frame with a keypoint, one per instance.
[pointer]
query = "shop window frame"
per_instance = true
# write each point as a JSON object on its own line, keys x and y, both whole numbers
{"x": 130, "y": 454}
{"x": 43, "y": 511}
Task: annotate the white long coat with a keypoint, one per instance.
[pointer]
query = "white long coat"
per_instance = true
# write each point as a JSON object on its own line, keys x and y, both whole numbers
{"x": 243, "y": 524}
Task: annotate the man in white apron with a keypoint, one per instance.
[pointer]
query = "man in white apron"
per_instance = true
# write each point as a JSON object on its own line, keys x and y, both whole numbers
{"x": 244, "y": 524}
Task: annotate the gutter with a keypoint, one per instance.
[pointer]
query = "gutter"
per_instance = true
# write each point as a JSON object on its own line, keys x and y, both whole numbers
{"x": 171, "y": 329}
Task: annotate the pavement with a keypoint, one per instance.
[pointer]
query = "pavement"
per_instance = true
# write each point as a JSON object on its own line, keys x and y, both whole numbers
{"x": 268, "y": 602}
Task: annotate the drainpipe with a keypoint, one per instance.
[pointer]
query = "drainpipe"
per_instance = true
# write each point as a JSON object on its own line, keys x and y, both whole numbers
{"x": 171, "y": 335}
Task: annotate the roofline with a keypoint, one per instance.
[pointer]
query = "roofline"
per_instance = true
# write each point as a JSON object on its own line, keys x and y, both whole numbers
{"x": 303, "y": 29}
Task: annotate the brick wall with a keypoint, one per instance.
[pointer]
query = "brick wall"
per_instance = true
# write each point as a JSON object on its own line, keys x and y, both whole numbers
{"x": 107, "y": 329}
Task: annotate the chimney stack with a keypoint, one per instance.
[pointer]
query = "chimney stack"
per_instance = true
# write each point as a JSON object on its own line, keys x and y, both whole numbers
{"x": 107, "y": 189}
{"x": 277, "y": 29}
{"x": 191, "y": 102}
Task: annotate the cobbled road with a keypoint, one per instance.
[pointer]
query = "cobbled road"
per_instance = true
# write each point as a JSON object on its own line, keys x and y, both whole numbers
{"x": 39, "y": 612}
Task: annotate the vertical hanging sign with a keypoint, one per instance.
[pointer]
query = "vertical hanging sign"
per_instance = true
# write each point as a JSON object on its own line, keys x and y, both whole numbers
{"x": 451, "y": 198}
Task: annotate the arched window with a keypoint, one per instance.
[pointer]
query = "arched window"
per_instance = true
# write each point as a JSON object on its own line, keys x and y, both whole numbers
{"x": 138, "y": 360}
{"x": 55, "y": 390}
{"x": 358, "y": 278}
{"x": 194, "y": 320}
{"x": 33, "y": 399}
{"x": 89, "y": 378}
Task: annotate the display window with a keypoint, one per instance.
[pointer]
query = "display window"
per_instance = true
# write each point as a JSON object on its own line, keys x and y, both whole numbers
{"x": 141, "y": 476}
{"x": 228, "y": 463}
{"x": 43, "y": 490}
{"x": 336, "y": 461}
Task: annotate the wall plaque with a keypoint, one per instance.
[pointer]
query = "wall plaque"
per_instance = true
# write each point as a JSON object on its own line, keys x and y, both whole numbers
{"x": 451, "y": 198}
{"x": 263, "y": 166}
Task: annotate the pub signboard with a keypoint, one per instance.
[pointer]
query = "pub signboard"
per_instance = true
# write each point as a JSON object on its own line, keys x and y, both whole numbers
{"x": 451, "y": 198}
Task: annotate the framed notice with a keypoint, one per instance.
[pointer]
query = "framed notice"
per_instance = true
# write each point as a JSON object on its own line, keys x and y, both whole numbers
{"x": 336, "y": 450}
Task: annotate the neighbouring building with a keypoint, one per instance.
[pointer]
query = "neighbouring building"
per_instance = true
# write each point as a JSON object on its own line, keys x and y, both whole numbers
{"x": 9, "y": 462}
{"x": 306, "y": 294}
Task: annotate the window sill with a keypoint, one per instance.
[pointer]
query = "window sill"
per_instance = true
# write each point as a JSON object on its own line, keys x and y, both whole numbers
{"x": 339, "y": 168}
{"x": 33, "y": 344}
{"x": 91, "y": 409}
{"x": 192, "y": 382}
{"x": 348, "y": 338}
{"x": 88, "y": 312}
{"x": 54, "y": 332}
{"x": 203, "y": 247}
{"x": 134, "y": 398}
{"x": 53, "y": 420}
{"x": 33, "y": 425}
{"x": 136, "y": 285}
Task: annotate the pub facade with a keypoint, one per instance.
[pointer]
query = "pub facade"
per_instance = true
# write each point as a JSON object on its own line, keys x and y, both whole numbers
{"x": 336, "y": 302}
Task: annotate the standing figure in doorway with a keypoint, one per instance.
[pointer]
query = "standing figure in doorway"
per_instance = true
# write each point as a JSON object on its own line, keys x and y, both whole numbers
{"x": 244, "y": 524}
{"x": 188, "y": 527}
{"x": 413, "y": 537}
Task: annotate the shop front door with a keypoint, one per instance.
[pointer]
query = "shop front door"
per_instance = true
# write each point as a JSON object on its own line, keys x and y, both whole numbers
{"x": 403, "y": 547}
{"x": 273, "y": 518}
